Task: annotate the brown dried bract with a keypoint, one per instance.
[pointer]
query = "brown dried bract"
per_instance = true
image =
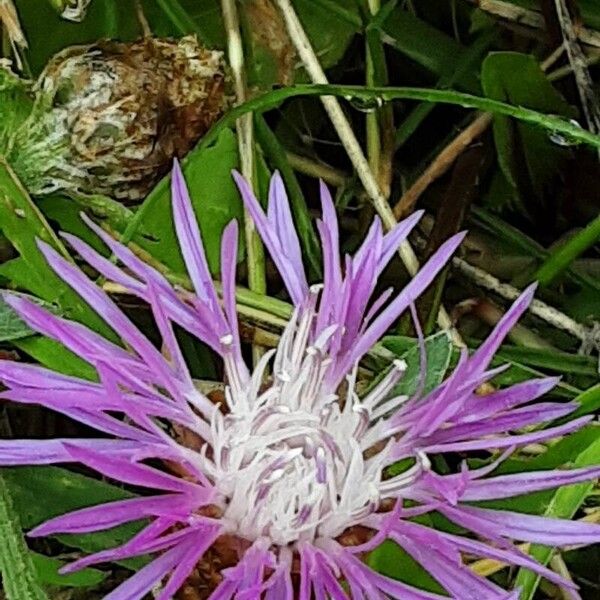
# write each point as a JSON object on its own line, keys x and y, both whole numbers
{"x": 117, "y": 113}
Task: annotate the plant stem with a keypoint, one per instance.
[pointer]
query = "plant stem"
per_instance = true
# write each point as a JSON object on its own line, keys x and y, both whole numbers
{"x": 372, "y": 118}
{"x": 560, "y": 259}
{"x": 552, "y": 123}
{"x": 277, "y": 157}
{"x": 245, "y": 132}
{"x": 542, "y": 310}
{"x": 318, "y": 170}
{"x": 352, "y": 146}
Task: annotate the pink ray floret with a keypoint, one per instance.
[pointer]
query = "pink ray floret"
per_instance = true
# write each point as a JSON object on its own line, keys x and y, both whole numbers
{"x": 293, "y": 473}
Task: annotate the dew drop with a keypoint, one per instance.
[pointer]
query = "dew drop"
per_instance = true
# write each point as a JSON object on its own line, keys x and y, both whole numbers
{"x": 366, "y": 105}
{"x": 563, "y": 139}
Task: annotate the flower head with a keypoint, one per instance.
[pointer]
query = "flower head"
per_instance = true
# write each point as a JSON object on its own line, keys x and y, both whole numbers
{"x": 287, "y": 479}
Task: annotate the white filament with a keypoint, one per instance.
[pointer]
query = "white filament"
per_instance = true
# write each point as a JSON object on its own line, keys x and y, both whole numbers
{"x": 289, "y": 461}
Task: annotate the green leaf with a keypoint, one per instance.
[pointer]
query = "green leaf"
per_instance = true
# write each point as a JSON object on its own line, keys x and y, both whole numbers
{"x": 40, "y": 493}
{"x": 564, "y": 504}
{"x": 589, "y": 402}
{"x": 391, "y": 560}
{"x": 47, "y": 569}
{"x": 55, "y": 356}
{"x": 11, "y": 326}
{"x": 65, "y": 214}
{"x": 527, "y": 156}
{"x": 514, "y": 238}
{"x": 431, "y": 48}
{"x": 438, "y": 350}
{"x": 23, "y": 224}
{"x": 563, "y": 256}
{"x": 276, "y": 156}
{"x": 571, "y": 132}
{"x": 562, "y": 454}
{"x": 329, "y": 35}
{"x": 215, "y": 199}
{"x": 553, "y": 360}
{"x": 16, "y": 103}
{"x": 47, "y": 32}
{"x": 19, "y": 579}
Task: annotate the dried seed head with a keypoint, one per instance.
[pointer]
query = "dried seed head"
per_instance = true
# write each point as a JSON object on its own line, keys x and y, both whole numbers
{"x": 110, "y": 117}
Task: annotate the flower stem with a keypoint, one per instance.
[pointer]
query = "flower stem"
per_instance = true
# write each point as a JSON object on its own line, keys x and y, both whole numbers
{"x": 353, "y": 148}
{"x": 245, "y": 132}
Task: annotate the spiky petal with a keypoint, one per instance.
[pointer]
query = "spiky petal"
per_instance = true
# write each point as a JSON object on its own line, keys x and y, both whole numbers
{"x": 291, "y": 475}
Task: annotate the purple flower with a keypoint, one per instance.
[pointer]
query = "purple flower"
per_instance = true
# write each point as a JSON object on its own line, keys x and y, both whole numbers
{"x": 286, "y": 483}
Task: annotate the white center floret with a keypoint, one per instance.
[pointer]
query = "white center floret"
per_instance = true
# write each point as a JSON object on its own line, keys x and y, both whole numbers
{"x": 289, "y": 461}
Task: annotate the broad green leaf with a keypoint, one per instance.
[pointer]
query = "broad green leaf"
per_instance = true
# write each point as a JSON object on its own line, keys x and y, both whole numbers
{"x": 47, "y": 569}
{"x": 19, "y": 578}
{"x": 65, "y": 214}
{"x": 564, "y": 504}
{"x": 40, "y": 493}
{"x": 215, "y": 199}
{"x": 527, "y": 156}
{"x": 438, "y": 350}
{"x": 329, "y": 34}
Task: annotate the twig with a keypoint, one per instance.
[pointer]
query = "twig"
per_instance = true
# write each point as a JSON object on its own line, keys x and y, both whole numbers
{"x": 538, "y": 308}
{"x": 531, "y": 18}
{"x": 353, "y": 148}
{"x": 585, "y": 85}
{"x": 245, "y": 134}
{"x": 557, "y": 564}
{"x": 143, "y": 21}
{"x": 319, "y": 170}
{"x": 442, "y": 162}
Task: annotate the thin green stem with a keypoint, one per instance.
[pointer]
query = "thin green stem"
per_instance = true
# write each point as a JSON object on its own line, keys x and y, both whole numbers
{"x": 373, "y": 53}
{"x": 560, "y": 259}
{"x": 278, "y": 159}
{"x": 554, "y": 124}
{"x": 275, "y": 98}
